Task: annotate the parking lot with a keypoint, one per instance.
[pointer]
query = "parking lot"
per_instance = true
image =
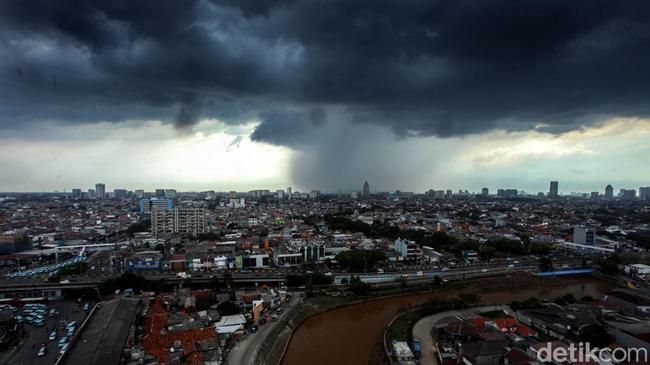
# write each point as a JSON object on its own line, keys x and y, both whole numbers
{"x": 36, "y": 336}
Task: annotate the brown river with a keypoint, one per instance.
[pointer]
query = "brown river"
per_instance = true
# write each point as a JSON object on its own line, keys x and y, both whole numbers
{"x": 347, "y": 335}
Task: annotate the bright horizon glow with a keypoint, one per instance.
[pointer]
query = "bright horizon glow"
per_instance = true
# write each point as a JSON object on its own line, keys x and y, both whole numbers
{"x": 217, "y": 156}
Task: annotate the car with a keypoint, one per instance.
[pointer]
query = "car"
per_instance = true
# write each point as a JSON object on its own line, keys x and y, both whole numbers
{"x": 63, "y": 341}
{"x": 254, "y": 328}
{"x": 484, "y": 270}
{"x": 262, "y": 321}
{"x": 419, "y": 273}
{"x": 279, "y": 311}
{"x": 64, "y": 348}
{"x": 71, "y": 324}
{"x": 274, "y": 318}
{"x": 52, "y": 336}
{"x": 42, "y": 351}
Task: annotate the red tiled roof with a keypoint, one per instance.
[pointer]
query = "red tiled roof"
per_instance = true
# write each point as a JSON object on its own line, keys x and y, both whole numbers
{"x": 158, "y": 345}
{"x": 506, "y": 323}
{"x": 525, "y": 330}
{"x": 478, "y": 322}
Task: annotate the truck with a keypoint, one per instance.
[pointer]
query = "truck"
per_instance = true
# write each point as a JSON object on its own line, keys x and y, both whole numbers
{"x": 416, "y": 348}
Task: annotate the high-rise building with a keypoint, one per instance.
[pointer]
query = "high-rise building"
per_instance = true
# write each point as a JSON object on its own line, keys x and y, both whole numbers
{"x": 553, "y": 190}
{"x": 584, "y": 236}
{"x": 644, "y": 193}
{"x": 366, "y": 189}
{"x": 139, "y": 193}
{"x": 100, "y": 191}
{"x": 120, "y": 193}
{"x": 187, "y": 219}
{"x": 485, "y": 192}
{"x": 280, "y": 194}
{"x": 628, "y": 194}
{"x": 314, "y": 194}
{"x": 76, "y": 193}
{"x": 160, "y": 193}
{"x": 170, "y": 193}
{"x": 92, "y": 193}
{"x": 609, "y": 192}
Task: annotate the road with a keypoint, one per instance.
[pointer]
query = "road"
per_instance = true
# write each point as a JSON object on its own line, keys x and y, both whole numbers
{"x": 243, "y": 353}
{"x": 26, "y": 355}
{"x": 422, "y": 329}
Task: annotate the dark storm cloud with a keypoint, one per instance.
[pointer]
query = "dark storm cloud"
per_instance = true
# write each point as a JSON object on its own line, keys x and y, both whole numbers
{"x": 420, "y": 68}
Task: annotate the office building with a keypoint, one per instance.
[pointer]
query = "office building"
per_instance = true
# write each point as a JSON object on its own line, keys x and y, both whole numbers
{"x": 627, "y": 194}
{"x": 100, "y": 191}
{"x": 553, "y": 190}
{"x": 120, "y": 193}
{"x": 584, "y": 236}
{"x": 609, "y": 192}
{"x": 485, "y": 192}
{"x": 644, "y": 193}
{"x": 170, "y": 193}
{"x": 148, "y": 204}
{"x": 186, "y": 219}
{"x": 139, "y": 193}
{"x": 366, "y": 189}
{"x": 407, "y": 250}
{"x": 314, "y": 194}
{"x": 280, "y": 194}
{"x": 160, "y": 193}
{"x": 76, "y": 193}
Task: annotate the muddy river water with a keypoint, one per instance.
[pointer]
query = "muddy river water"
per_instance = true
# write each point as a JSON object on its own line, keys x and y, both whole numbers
{"x": 347, "y": 335}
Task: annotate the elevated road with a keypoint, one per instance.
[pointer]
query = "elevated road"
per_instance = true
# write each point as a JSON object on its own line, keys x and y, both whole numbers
{"x": 376, "y": 279}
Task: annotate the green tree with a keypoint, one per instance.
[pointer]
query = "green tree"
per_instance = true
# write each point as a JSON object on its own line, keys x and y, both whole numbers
{"x": 358, "y": 287}
{"x": 360, "y": 260}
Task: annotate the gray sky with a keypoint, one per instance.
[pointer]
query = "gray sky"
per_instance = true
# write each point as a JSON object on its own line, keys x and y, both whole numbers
{"x": 408, "y": 95}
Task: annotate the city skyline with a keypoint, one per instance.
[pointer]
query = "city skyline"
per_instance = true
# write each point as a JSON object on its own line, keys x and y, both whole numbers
{"x": 365, "y": 190}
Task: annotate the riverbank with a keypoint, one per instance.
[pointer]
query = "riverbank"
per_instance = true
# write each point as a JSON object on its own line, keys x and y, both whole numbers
{"x": 274, "y": 346}
{"x": 348, "y": 335}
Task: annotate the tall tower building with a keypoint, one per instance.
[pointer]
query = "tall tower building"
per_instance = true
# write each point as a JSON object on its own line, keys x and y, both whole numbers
{"x": 366, "y": 189}
{"x": 553, "y": 191}
{"x": 485, "y": 192}
{"x": 609, "y": 192}
{"x": 100, "y": 190}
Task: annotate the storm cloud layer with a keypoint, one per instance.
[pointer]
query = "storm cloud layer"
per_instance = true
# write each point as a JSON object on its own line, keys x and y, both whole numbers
{"x": 418, "y": 68}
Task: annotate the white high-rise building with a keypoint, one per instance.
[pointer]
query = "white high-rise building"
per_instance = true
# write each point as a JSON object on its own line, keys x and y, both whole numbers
{"x": 186, "y": 219}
